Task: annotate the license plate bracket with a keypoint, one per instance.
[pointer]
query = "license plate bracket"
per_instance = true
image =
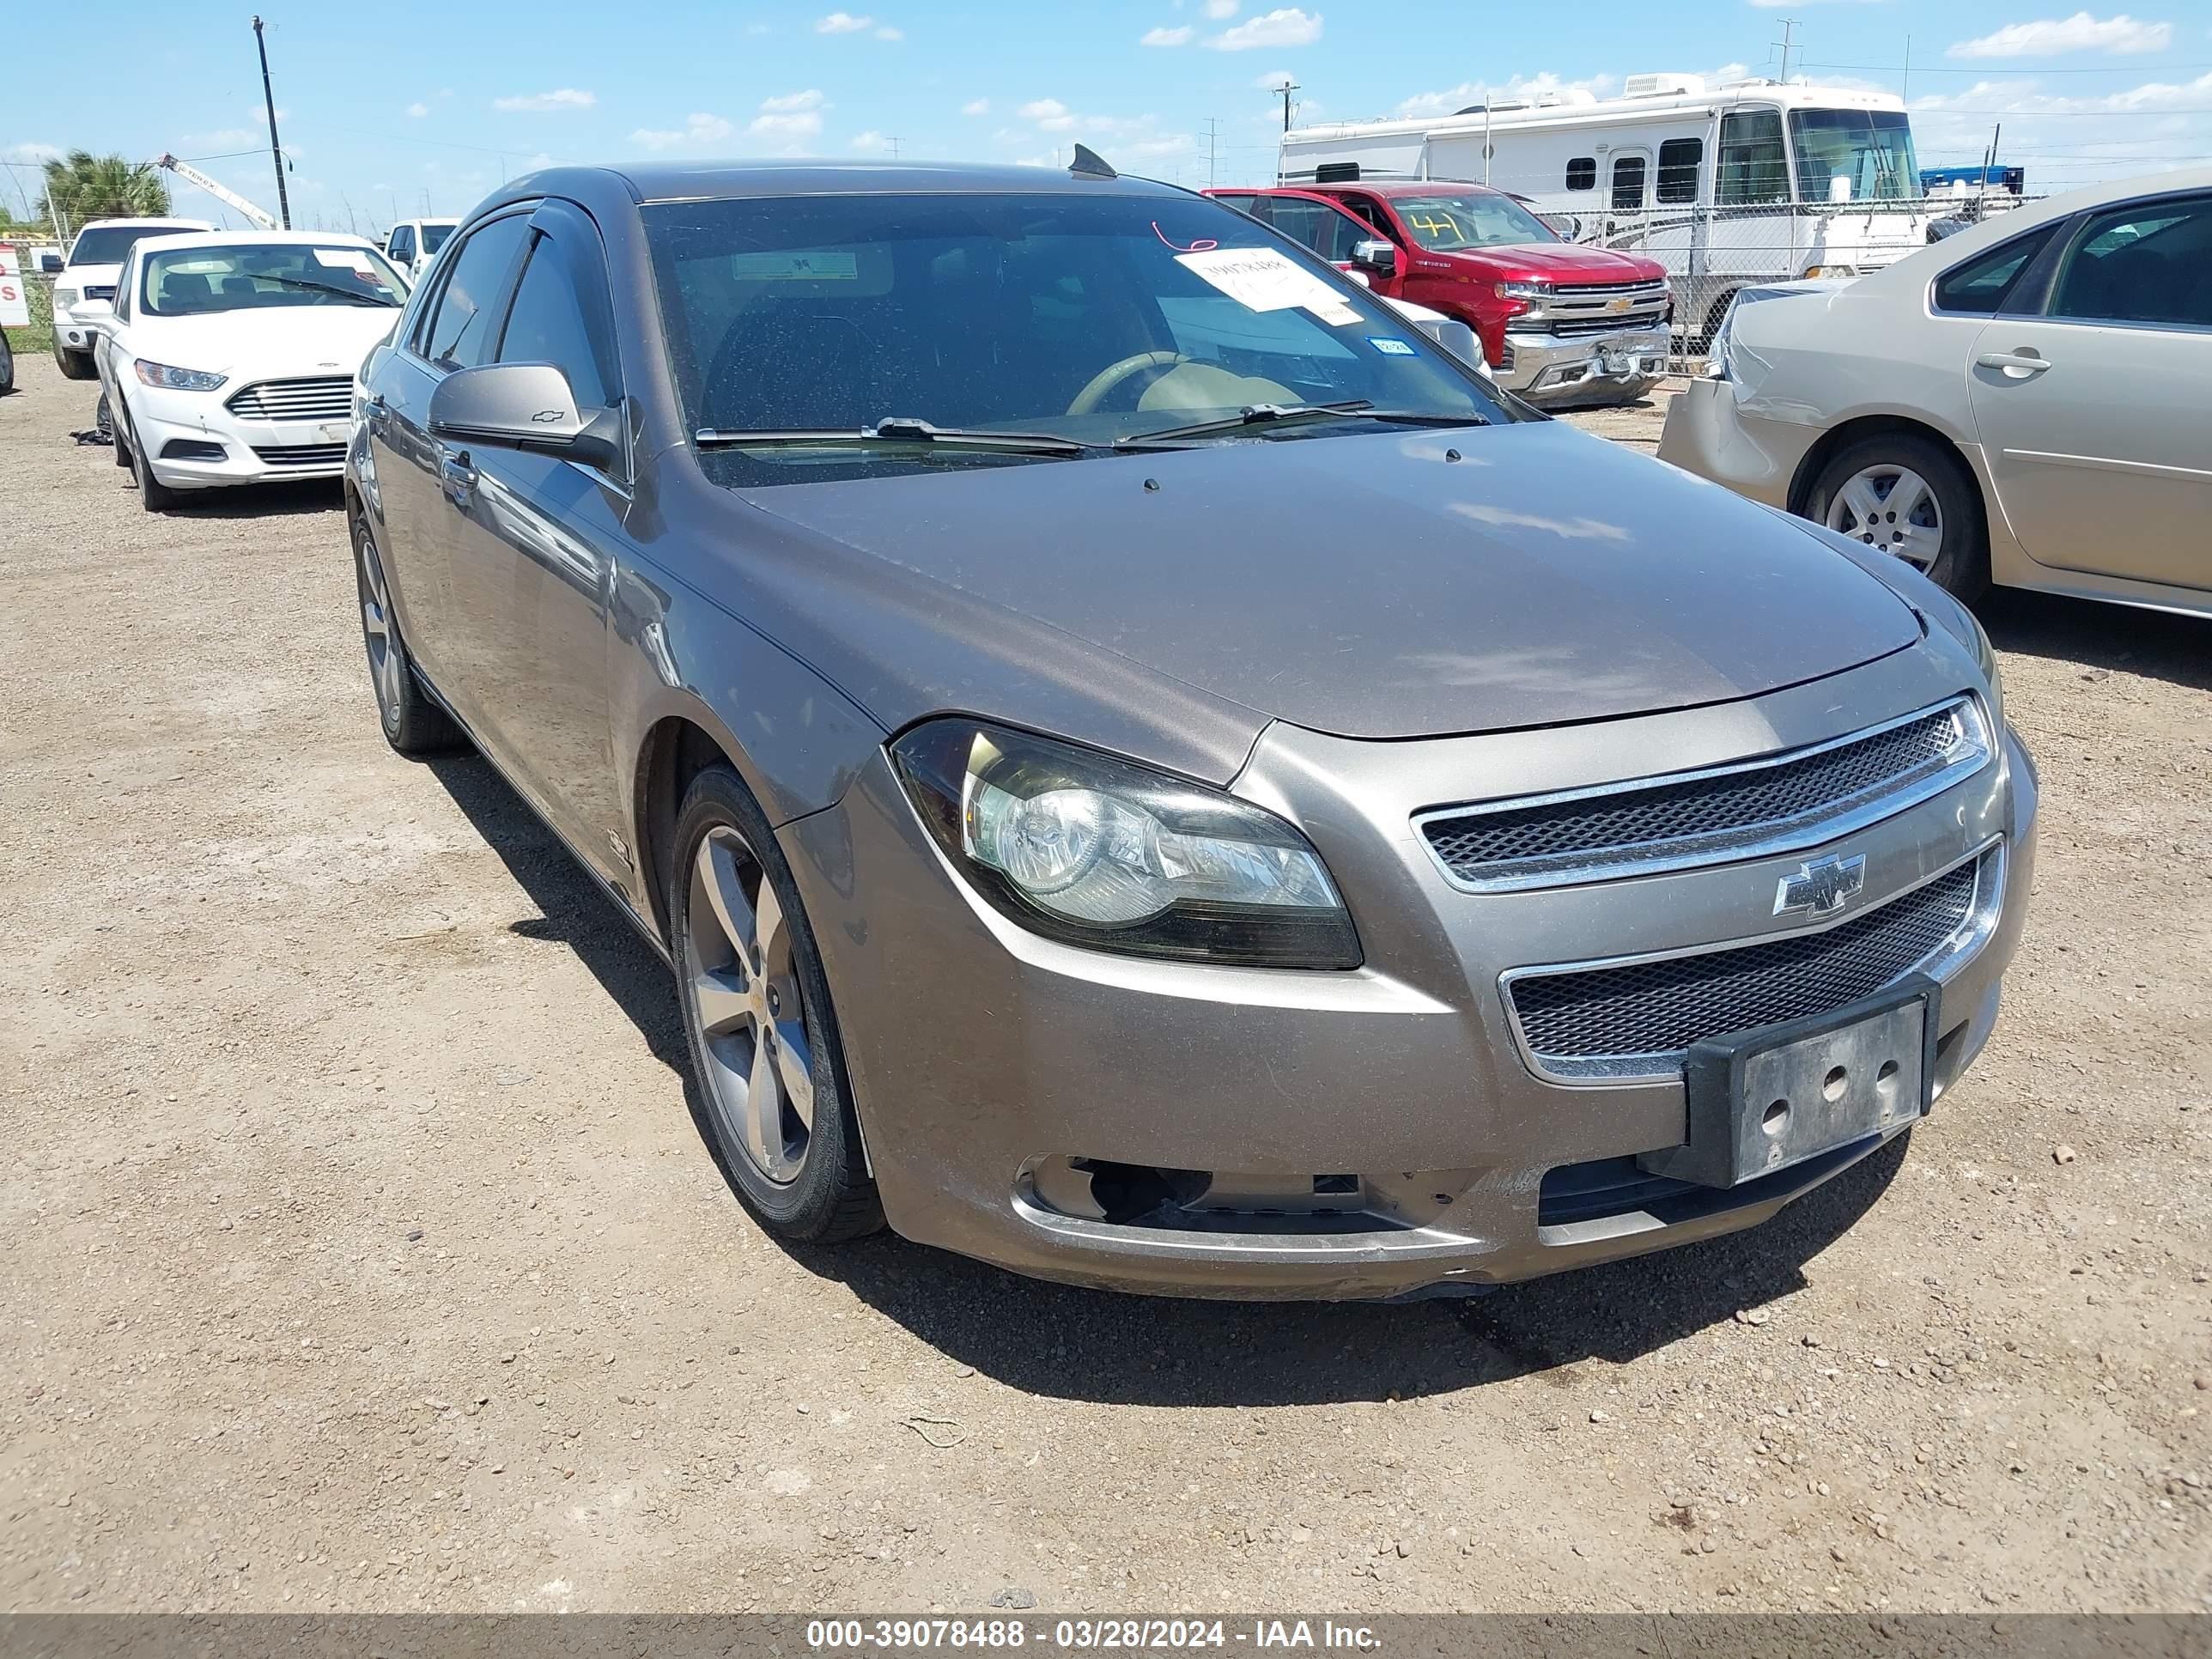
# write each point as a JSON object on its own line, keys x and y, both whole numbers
{"x": 1763, "y": 1100}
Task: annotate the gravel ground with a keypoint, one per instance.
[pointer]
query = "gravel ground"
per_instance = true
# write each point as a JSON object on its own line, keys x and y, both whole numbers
{"x": 362, "y": 1255}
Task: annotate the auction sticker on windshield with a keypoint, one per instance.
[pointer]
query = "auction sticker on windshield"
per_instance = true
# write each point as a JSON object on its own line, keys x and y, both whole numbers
{"x": 344, "y": 258}
{"x": 1263, "y": 279}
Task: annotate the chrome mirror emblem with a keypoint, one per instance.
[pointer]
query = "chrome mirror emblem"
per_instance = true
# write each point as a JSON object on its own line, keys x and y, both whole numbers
{"x": 1821, "y": 886}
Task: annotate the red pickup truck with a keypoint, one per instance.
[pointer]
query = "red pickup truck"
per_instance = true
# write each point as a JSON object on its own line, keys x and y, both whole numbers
{"x": 1558, "y": 321}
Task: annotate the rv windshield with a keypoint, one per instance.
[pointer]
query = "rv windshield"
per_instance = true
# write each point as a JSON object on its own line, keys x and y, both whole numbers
{"x": 1872, "y": 148}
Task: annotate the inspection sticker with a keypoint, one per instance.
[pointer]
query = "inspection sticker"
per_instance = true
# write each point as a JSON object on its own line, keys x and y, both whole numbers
{"x": 346, "y": 259}
{"x": 1263, "y": 279}
{"x": 829, "y": 264}
{"x": 1389, "y": 347}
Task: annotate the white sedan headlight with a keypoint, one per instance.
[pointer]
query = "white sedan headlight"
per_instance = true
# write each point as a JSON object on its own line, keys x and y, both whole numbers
{"x": 175, "y": 380}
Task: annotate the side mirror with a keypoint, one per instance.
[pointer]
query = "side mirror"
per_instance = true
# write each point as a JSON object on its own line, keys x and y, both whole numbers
{"x": 1376, "y": 256}
{"x": 50, "y": 264}
{"x": 526, "y": 406}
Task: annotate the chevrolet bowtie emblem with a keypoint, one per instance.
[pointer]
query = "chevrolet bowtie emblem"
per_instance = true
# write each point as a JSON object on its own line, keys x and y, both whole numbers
{"x": 1821, "y": 887}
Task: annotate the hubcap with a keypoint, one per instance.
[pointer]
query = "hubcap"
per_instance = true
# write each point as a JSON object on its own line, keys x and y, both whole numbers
{"x": 386, "y": 664}
{"x": 744, "y": 992}
{"x": 1892, "y": 509}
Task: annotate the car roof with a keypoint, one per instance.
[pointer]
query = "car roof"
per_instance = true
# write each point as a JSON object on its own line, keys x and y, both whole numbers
{"x": 260, "y": 237}
{"x": 693, "y": 181}
{"x": 140, "y": 218}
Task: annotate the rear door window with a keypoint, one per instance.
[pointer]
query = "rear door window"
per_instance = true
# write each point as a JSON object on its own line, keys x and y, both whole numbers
{"x": 1981, "y": 286}
{"x": 2148, "y": 263}
{"x": 1325, "y": 229}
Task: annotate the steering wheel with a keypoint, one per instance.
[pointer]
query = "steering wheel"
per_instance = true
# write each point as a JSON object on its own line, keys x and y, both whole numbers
{"x": 1094, "y": 393}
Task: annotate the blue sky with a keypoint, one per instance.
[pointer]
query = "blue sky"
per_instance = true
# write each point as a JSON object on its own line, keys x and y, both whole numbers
{"x": 392, "y": 105}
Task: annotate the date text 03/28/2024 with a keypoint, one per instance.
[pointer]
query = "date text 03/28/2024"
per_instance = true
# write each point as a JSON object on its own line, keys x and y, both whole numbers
{"x": 1087, "y": 1635}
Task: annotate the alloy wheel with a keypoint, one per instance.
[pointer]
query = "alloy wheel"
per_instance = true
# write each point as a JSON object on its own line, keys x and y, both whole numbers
{"x": 1894, "y": 510}
{"x": 743, "y": 986}
{"x": 387, "y": 665}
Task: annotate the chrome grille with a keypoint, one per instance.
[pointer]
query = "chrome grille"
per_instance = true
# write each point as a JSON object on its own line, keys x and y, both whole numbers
{"x": 325, "y": 398}
{"x": 1637, "y": 1019}
{"x": 302, "y": 454}
{"x": 1746, "y": 810}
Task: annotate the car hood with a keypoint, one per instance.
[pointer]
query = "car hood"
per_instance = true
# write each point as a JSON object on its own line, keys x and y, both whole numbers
{"x": 1562, "y": 262}
{"x": 289, "y": 340}
{"x": 1369, "y": 585}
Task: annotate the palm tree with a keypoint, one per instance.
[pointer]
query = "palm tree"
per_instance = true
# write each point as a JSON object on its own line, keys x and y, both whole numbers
{"x": 83, "y": 186}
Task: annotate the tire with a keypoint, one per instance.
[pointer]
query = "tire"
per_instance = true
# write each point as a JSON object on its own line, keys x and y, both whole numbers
{"x": 1701, "y": 341}
{"x": 153, "y": 495}
{"x": 74, "y": 365}
{"x": 727, "y": 885}
{"x": 6, "y": 364}
{"x": 414, "y": 724}
{"x": 1853, "y": 494}
{"x": 103, "y": 417}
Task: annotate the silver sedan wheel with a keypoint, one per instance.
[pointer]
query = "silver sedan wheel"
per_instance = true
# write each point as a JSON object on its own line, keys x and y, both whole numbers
{"x": 744, "y": 986}
{"x": 1892, "y": 509}
{"x": 386, "y": 665}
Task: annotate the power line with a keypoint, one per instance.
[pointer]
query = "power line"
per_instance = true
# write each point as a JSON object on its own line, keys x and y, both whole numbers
{"x": 1926, "y": 69}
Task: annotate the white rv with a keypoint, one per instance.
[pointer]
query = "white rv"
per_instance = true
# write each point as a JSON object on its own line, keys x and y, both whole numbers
{"x": 1754, "y": 181}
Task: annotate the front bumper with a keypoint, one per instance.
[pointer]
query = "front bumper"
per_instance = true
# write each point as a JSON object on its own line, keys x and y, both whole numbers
{"x": 1547, "y": 368}
{"x": 179, "y": 430}
{"x": 78, "y": 327}
{"x": 983, "y": 1058}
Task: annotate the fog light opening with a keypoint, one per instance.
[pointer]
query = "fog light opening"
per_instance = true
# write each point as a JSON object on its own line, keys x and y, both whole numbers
{"x": 1776, "y": 1118}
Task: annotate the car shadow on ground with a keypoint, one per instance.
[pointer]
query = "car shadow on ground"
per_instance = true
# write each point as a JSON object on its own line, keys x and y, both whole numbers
{"x": 2101, "y": 638}
{"x": 1108, "y": 1347}
{"x": 275, "y": 500}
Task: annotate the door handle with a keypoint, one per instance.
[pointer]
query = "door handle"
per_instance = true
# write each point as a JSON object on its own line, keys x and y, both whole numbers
{"x": 457, "y": 478}
{"x": 2013, "y": 362}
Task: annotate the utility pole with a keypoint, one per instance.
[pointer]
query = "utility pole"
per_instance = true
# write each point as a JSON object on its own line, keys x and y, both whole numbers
{"x": 895, "y": 155}
{"x": 1788, "y": 27}
{"x": 1210, "y": 180}
{"x": 1286, "y": 90}
{"x": 275, "y": 150}
{"x": 1905, "y": 87}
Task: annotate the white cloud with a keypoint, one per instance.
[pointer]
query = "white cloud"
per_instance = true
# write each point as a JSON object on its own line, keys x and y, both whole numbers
{"x": 2054, "y": 36}
{"x": 792, "y": 115}
{"x": 976, "y": 107}
{"x": 418, "y": 110}
{"x": 1287, "y": 27}
{"x": 2066, "y": 139}
{"x": 560, "y": 98}
{"x": 1048, "y": 112}
{"x": 1167, "y": 37}
{"x": 887, "y": 32}
{"x": 1272, "y": 79}
{"x": 842, "y": 23}
{"x": 872, "y": 142}
{"x": 698, "y": 131}
{"x": 1217, "y": 10}
{"x": 31, "y": 155}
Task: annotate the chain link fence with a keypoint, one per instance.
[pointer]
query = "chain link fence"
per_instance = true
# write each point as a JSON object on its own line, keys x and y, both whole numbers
{"x": 1711, "y": 252}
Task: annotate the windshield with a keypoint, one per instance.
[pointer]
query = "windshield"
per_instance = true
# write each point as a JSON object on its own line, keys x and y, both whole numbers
{"x": 1872, "y": 149}
{"x": 111, "y": 244}
{"x": 1444, "y": 222}
{"x": 255, "y": 277}
{"x": 433, "y": 237}
{"x": 1093, "y": 318}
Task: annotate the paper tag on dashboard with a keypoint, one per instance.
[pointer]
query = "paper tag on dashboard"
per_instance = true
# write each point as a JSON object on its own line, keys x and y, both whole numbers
{"x": 1263, "y": 279}
{"x": 346, "y": 259}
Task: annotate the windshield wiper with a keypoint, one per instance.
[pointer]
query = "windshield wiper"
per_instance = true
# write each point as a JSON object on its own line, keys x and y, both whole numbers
{"x": 1358, "y": 409}
{"x": 326, "y": 287}
{"x": 896, "y": 432}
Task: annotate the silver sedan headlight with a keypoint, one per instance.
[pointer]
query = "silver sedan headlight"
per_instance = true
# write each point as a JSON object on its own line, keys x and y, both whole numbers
{"x": 1097, "y": 851}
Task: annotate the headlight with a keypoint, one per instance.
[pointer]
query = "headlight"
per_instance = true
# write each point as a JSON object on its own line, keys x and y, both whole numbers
{"x": 1831, "y": 270}
{"x": 175, "y": 380}
{"x": 65, "y": 297}
{"x": 1524, "y": 290}
{"x": 1095, "y": 851}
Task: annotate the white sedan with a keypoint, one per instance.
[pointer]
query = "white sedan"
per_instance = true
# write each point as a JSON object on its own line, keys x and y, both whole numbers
{"x": 2026, "y": 403}
{"x": 230, "y": 357}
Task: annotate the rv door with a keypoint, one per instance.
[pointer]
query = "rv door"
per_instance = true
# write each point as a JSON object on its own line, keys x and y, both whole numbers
{"x": 1628, "y": 190}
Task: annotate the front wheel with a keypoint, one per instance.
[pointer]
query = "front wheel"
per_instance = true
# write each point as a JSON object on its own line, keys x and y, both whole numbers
{"x": 153, "y": 495}
{"x": 1912, "y": 499}
{"x": 74, "y": 365}
{"x": 413, "y": 723}
{"x": 758, "y": 1023}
